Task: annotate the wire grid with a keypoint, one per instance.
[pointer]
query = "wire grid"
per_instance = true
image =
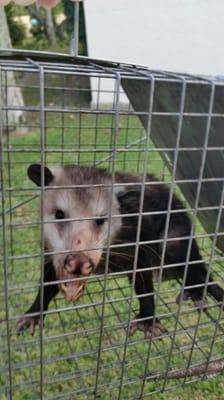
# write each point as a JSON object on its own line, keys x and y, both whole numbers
{"x": 84, "y": 350}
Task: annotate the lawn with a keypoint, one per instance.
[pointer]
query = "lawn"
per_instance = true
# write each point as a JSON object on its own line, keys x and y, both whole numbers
{"x": 72, "y": 335}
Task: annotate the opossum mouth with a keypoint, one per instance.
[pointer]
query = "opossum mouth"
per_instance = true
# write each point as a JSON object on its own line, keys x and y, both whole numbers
{"x": 72, "y": 285}
{"x": 74, "y": 277}
{"x": 73, "y": 288}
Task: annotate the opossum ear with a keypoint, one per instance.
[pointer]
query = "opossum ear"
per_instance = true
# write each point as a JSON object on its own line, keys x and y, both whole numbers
{"x": 129, "y": 197}
{"x": 34, "y": 173}
{"x": 119, "y": 191}
{"x": 122, "y": 192}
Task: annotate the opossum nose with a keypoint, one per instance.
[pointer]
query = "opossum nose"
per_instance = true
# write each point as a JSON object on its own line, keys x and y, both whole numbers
{"x": 78, "y": 264}
{"x": 77, "y": 242}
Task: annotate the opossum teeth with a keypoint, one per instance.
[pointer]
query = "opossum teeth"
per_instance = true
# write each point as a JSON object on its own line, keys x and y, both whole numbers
{"x": 71, "y": 291}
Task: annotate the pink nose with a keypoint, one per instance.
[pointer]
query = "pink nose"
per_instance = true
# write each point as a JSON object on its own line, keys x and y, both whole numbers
{"x": 78, "y": 264}
{"x": 76, "y": 244}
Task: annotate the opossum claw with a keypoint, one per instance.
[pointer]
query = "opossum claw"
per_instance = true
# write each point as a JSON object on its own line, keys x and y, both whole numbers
{"x": 27, "y": 322}
{"x": 150, "y": 331}
{"x": 201, "y": 304}
{"x": 185, "y": 297}
{"x": 197, "y": 299}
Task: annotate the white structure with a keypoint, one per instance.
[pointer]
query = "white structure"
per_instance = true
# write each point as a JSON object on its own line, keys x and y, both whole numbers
{"x": 175, "y": 35}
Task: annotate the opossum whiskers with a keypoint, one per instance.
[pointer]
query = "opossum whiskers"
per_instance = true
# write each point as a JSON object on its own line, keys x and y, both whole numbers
{"x": 143, "y": 248}
{"x": 103, "y": 259}
{"x": 122, "y": 269}
{"x": 147, "y": 246}
{"x": 125, "y": 256}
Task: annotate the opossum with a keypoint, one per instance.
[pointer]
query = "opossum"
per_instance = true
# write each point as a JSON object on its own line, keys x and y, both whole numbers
{"x": 77, "y": 235}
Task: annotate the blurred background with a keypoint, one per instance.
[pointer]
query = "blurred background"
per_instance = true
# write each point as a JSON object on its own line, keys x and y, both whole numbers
{"x": 36, "y": 28}
{"x": 176, "y": 35}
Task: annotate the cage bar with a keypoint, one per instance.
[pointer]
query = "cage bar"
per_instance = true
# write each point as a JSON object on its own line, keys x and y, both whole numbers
{"x": 120, "y": 117}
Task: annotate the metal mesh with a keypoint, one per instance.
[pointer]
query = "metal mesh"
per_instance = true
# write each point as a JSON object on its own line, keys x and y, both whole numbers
{"x": 83, "y": 350}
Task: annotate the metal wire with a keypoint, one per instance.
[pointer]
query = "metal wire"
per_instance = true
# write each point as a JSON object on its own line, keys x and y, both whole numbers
{"x": 83, "y": 349}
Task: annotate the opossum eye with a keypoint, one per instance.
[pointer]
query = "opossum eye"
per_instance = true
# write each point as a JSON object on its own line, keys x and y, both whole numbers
{"x": 59, "y": 214}
{"x": 100, "y": 221}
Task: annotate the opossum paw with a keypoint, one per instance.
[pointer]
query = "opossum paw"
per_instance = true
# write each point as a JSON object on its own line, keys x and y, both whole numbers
{"x": 197, "y": 298}
{"x": 201, "y": 304}
{"x": 27, "y": 322}
{"x": 150, "y": 331}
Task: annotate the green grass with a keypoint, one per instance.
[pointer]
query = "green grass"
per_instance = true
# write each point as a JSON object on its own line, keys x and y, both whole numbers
{"x": 71, "y": 338}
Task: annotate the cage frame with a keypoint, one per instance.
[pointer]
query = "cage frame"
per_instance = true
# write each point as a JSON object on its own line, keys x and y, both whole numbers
{"x": 38, "y": 63}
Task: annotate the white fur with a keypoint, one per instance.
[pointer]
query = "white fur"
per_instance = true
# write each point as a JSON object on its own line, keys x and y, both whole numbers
{"x": 78, "y": 235}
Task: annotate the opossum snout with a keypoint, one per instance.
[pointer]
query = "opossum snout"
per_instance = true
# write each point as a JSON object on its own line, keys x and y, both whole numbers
{"x": 78, "y": 264}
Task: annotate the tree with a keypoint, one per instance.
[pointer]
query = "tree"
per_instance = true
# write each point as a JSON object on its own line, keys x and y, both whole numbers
{"x": 17, "y": 29}
{"x": 69, "y": 24}
{"x": 46, "y": 24}
{"x": 9, "y": 92}
{"x": 50, "y": 26}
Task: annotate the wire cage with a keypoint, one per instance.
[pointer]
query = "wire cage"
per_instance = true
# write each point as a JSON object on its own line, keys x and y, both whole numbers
{"x": 119, "y": 117}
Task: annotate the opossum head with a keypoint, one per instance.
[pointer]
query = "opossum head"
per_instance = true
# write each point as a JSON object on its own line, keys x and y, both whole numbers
{"x": 76, "y": 221}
